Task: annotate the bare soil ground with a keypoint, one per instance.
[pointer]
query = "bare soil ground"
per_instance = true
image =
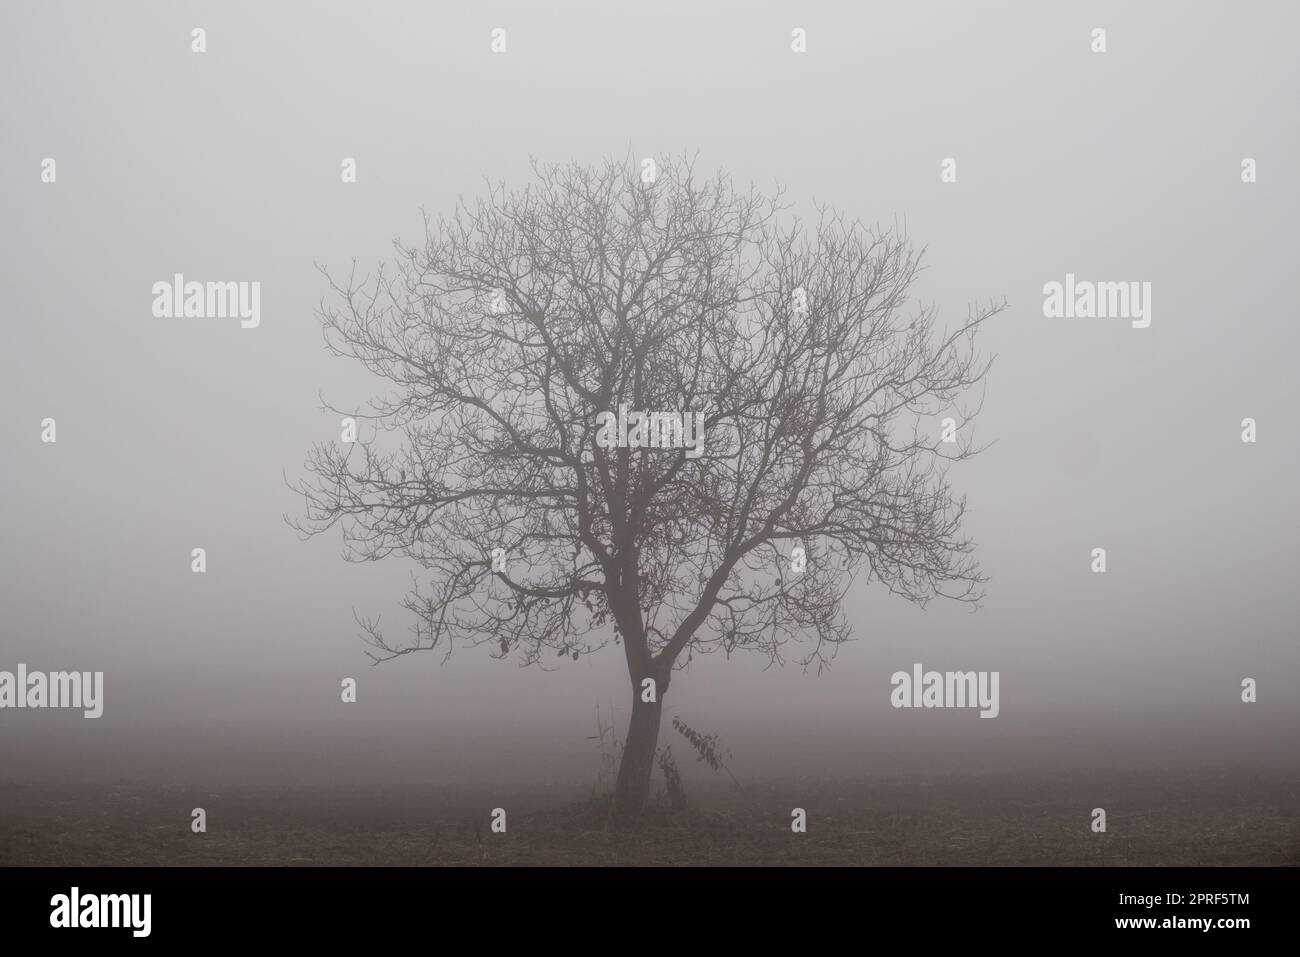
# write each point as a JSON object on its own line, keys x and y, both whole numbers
{"x": 1156, "y": 818}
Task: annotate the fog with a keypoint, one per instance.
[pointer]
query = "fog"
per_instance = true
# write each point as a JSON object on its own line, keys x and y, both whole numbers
{"x": 174, "y": 435}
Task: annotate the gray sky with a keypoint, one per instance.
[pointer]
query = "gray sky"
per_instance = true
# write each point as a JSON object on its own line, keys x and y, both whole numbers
{"x": 177, "y": 434}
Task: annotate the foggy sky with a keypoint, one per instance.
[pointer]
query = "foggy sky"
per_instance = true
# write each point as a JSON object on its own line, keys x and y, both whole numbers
{"x": 176, "y": 434}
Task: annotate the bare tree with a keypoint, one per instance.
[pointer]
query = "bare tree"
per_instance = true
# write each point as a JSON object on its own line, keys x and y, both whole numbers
{"x": 526, "y": 314}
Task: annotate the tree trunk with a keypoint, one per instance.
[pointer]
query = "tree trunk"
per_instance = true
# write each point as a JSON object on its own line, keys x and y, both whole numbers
{"x": 632, "y": 789}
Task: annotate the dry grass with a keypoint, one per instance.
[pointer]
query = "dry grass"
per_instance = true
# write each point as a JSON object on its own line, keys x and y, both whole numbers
{"x": 1154, "y": 819}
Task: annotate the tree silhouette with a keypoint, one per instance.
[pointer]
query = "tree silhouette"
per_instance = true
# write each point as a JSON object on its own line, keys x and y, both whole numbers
{"x": 526, "y": 314}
